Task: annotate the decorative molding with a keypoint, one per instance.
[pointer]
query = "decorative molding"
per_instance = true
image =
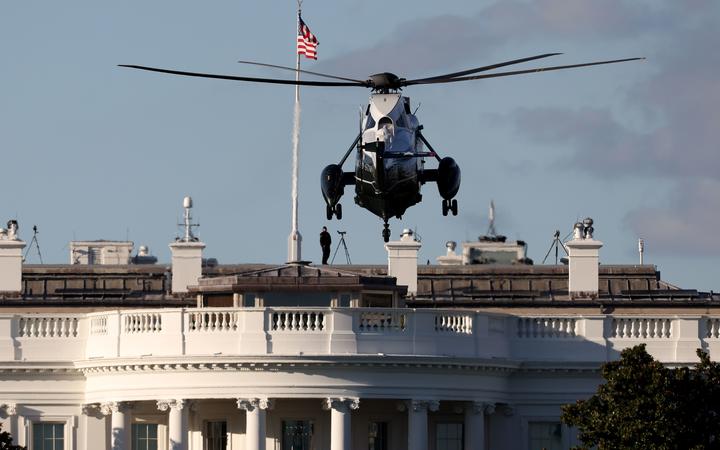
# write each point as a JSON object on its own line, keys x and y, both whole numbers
{"x": 108, "y": 408}
{"x": 342, "y": 404}
{"x": 250, "y": 404}
{"x": 174, "y": 404}
{"x": 280, "y": 366}
{"x": 10, "y": 408}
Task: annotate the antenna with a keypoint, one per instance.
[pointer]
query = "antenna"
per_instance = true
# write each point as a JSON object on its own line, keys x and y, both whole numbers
{"x": 187, "y": 224}
{"x": 491, "y": 228}
{"x": 641, "y": 249}
{"x": 37, "y": 245}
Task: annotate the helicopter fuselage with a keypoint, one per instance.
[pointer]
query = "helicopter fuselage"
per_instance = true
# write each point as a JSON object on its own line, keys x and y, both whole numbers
{"x": 388, "y": 170}
{"x": 389, "y": 163}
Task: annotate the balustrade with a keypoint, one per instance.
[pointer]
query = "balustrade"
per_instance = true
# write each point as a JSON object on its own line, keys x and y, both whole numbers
{"x": 454, "y": 323}
{"x": 712, "y": 328}
{"x": 98, "y": 325}
{"x": 546, "y": 327}
{"x": 48, "y": 326}
{"x": 211, "y": 320}
{"x": 362, "y": 330}
{"x": 641, "y": 328}
{"x": 142, "y": 322}
{"x": 380, "y": 321}
{"x": 297, "y": 321}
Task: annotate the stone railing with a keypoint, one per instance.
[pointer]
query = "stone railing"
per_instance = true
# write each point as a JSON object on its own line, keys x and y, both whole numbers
{"x": 178, "y": 333}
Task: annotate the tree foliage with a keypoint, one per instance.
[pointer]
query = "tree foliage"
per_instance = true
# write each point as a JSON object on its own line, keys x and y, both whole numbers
{"x": 645, "y": 405}
{"x": 6, "y": 441}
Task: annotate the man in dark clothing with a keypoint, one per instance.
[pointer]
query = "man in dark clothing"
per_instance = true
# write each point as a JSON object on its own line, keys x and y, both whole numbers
{"x": 325, "y": 243}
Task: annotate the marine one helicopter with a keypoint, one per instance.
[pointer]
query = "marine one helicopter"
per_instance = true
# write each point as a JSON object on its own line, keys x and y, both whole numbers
{"x": 390, "y": 148}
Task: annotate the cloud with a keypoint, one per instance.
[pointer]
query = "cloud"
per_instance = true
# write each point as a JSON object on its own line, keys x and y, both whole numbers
{"x": 686, "y": 224}
{"x": 430, "y": 45}
{"x": 682, "y": 99}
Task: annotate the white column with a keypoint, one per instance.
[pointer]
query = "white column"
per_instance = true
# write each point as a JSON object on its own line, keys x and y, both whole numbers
{"x": 255, "y": 421}
{"x": 417, "y": 422}
{"x": 177, "y": 423}
{"x": 475, "y": 424}
{"x": 119, "y": 424}
{"x": 11, "y": 425}
{"x": 340, "y": 421}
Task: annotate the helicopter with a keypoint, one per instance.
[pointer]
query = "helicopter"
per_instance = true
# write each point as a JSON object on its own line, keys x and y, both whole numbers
{"x": 391, "y": 150}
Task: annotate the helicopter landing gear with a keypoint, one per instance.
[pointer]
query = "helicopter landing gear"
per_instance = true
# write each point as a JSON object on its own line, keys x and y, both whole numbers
{"x": 449, "y": 206}
{"x": 333, "y": 210}
{"x": 386, "y": 233}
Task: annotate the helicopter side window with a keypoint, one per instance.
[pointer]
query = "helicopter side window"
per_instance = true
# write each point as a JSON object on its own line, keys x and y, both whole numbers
{"x": 400, "y": 121}
{"x": 370, "y": 123}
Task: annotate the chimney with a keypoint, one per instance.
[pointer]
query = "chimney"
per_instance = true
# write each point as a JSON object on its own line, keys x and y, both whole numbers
{"x": 186, "y": 254}
{"x": 402, "y": 260}
{"x": 11, "y": 258}
{"x": 584, "y": 255}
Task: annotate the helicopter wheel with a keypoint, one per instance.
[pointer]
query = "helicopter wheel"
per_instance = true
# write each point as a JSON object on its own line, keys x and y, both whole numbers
{"x": 338, "y": 211}
{"x": 445, "y": 207}
{"x": 453, "y": 207}
{"x": 386, "y": 233}
{"x": 328, "y": 212}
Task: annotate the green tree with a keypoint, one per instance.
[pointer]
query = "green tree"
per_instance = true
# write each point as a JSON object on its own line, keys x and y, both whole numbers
{"x": 645, "y": 405}
{"x": 6, "y": 441}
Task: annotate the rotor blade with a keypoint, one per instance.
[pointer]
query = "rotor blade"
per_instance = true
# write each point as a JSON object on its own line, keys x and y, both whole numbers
{"x": 250, "y": 79}
{"x": 484, "y": 68}
{"x": 517, "y": 72}
{"x": 300, "y": 70}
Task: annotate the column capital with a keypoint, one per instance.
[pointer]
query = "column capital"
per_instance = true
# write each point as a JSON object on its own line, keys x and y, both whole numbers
{"x": 250, "y": 404}
{"x": 175, "y": 404}
{"x": 344, "y": 404}
{"x": 478, "y": 407}
{"x": 107, "y": 408}
{"x": 420, "y": 405}
{"x": 508, "y": 410}
{"x": 10, "y": 408}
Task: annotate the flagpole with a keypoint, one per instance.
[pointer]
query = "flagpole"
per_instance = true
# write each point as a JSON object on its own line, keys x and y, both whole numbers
{"x": 295, "y": 239}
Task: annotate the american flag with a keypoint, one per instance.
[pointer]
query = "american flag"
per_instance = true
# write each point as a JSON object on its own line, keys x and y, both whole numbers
{"x": 306, "y": 41}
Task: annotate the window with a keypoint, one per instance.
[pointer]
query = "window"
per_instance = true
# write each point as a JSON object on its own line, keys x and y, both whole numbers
{"x": 449, "y": 436}
{"x": 144, "y": 436}
{"x": 249, "y": 300}
{"x": 48, "y": 436}
{"x": 344, "y": 301}
{"x": 377, "y": 436}
{"x": 297, "y": 434}
{"x": 544, "y": 435}
{"x": 216, "y": 435}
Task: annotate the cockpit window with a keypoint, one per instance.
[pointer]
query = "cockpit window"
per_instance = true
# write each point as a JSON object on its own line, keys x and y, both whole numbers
{"x": 370, "y": 123}
{"x": 384, "y": 121}
{"x": 400, "y": 121}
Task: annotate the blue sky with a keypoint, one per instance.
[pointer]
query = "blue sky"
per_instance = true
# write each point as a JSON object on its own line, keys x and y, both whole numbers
{"x": 92, "y": 151}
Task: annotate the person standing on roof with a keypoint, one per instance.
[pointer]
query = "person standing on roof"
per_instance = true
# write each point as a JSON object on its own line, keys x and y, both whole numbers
{"x": 325, "y": 243}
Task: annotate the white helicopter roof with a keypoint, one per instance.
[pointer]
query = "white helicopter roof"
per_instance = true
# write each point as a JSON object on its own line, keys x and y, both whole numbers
{"x": 382, "y": 105}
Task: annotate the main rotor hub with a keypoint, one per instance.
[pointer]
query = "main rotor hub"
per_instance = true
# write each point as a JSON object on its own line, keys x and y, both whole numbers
{"x": 385, "y": 81}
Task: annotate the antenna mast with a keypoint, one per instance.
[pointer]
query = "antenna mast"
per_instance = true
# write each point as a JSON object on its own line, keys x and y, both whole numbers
{"x": 187, "y": 224}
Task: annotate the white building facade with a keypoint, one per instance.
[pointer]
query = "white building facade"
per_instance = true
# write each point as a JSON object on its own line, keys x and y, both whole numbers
{"x": 314, "y": 378}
